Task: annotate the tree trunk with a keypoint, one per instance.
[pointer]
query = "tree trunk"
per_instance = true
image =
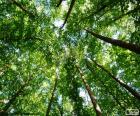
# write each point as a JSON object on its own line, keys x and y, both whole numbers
{"x": 69, "y": 11}
{"x": 92, "y": 97}
{"x": 129, "y": 12}
{"x": 13, "y": 98}
{"x": 107, "y": 89}
{"x": 128, "y": 88}
{"x": 60, "y": 1}
{"x": 120, "y": 43}
{"x": 52, "y": 96}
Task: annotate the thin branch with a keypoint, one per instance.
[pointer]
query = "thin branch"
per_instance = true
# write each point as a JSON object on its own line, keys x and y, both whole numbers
{"x": 107, "y": 89}
{"x": 13, "y": 98}
{"x": 125, "y": 14}
{"x": 52, "y": 95}
{"x": 92, "y": 97}
{"x": 23, "y": 8}
{"x": 15, "y": 95}
{"x": 69, "y": 11}
{"x": 60, "y": 1}
{"x": 123, "y": 84}
{"x": 132, "y": 47}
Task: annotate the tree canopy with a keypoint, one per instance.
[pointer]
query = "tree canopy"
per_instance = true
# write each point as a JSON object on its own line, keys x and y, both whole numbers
{"x": 69, "y": 57}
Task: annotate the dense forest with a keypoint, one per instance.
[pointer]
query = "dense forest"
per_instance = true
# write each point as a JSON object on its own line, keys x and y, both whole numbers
{"x": 69, "y": 57}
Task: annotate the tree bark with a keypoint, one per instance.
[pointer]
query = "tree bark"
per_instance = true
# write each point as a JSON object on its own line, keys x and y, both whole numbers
{"x": 107, "y": 89}
{"x": 69, "y": 11}
{"x": 13, "y": 97}
{"x": 124, "y": 85}
{"x": 52, "y": 96}
{"x": 60, "y": 1}
{"x": 132, "y": 47}
{"x": 92, "y": 97}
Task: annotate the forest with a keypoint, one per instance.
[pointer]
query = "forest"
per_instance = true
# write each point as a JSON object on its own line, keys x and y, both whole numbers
{"x": 69, "y": 57}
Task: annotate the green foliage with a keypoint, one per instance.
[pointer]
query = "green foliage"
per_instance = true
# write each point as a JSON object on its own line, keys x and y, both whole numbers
{"x": 33, "y": 48}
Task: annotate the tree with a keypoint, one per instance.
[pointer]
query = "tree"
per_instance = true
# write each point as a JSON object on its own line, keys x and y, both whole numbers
{"x": 44, "y": 47}
{"x": 92, "y": 97}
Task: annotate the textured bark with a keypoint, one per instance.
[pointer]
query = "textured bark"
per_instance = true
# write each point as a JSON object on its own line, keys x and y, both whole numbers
{"x": 124, "y": 85}
{"x": 52, "y": 97}
{"x": 120, "y": 43}
{"x": 92, "y": 97}
{"x": 69, "y": 11}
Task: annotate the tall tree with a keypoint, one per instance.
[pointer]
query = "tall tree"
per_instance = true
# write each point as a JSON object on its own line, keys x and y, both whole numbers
{"x": 92, "y": 97}
{"x": 32, "y": 41}
{"x": 69, "y": 11}
{"x": 116, "y": 42}
{"x": 52, "y": 95}
{"x": 123, "y": 84}
{"x": 15, "y": 95}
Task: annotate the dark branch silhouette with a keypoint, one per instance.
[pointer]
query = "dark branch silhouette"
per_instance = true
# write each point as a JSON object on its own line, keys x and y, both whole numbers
{"x": 60, "y": 1}
{"x": 23, "y": 8}
{"x": 52, "y": 96}
{"x": 132, "y": 47}
{"x": 123, "y": 84}
{"x": 13, "y": 98}
{"x": 106, "y": 87}
{"x": 15, "y": 95}
{"x": 69, "y": 11}
{"x": 2, "y": 113}
{"x": 125, "y": 14}
{"x": 92, "y": 97}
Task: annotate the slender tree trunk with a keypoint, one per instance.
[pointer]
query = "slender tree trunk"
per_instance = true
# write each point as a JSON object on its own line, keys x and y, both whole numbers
{"x": 128, "y": 88}
{"x": 107, "y": 90}
{"x": 120, "y": 43}
{"x": 92, "y": 97}
{"x": 52, "y": 96}
{"x": 60, "y": 110}
{"x": 69, "y": 11}
{"x": 61, "y": 107}
{"x": 60, "y": 1}
{"x": 14, "y": 96}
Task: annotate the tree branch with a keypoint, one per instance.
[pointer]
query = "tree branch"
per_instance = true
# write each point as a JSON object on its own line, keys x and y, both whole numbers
{"x": 132, "y": 47}
{"x": 125, "y": 14}
{"x": 69, "y": 11}
{"x": 92, "y": 97}
{"x": 23, "y": 8}
{"x": 124, "y": 85}
{"x": 52, "y": 95}
{"x": 60, "y": 1}
{"x": 107, "y": 89}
